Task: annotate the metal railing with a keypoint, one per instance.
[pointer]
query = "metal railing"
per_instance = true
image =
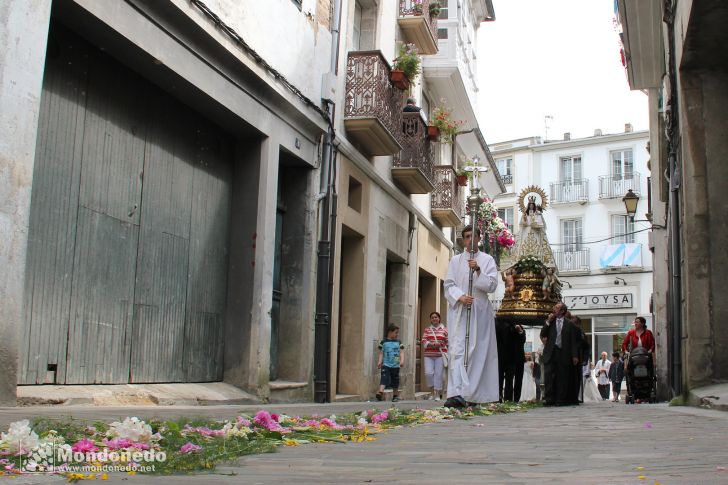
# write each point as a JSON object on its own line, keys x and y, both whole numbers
{"x": 572, "y": 261}
{"x": 410, "y": 7}
{"x": 570, "y": 191}
{"x": 507, "y": 179}
{"x": 369, "y": 93}
{"x": 447, "y": 193}
{"x": 613, "y": 186}
{"x": 416, "y": 147}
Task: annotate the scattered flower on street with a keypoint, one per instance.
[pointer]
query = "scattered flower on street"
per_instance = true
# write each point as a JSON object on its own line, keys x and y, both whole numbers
{"x": 188, "y": 445}
{"x": 189, "y": 448}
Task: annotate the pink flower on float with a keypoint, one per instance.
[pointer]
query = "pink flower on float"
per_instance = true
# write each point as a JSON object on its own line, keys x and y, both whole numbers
{"x": 243, "y": 422}
{"x": 84, "y": 446}
{"x": 275, "y": 417}
{"x": 189, "y": 448}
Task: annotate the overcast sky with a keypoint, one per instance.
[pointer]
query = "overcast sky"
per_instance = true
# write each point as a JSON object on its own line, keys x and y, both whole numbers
{"x": 558, "y": 58}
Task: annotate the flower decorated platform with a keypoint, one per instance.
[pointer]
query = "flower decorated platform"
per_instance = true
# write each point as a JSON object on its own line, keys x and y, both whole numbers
{"x": 532, "y": 286}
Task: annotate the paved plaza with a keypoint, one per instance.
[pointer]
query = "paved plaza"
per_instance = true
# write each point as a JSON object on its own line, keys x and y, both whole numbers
{"x": 596, "y": 443}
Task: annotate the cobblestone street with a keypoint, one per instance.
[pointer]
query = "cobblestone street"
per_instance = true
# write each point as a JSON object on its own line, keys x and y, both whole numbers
{"x": 597, "y": 443}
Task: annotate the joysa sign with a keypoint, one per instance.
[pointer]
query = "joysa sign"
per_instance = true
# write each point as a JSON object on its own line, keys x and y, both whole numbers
{"x": 585, "y": 302}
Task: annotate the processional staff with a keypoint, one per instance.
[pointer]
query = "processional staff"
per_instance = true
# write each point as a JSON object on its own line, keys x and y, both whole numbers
{"x": 474, "y": 201}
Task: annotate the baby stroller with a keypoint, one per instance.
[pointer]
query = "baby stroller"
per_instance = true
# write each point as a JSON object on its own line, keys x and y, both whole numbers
{"x": 640, "y": 374}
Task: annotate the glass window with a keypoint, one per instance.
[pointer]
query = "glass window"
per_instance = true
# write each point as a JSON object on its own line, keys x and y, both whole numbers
{"x": 622, "y": 229}
{"x": 570, "y": 169}
{"x": 425, "y": 106}
{"x": 505, "y": 165}
{"x": 571, "y": 234}
{"x": 622, "y": 164}
{"x": 506, "y": 214}
{"x": 612, "y": 323}
{"x": 442, "y": 33}
{"x": 356, "y": 40}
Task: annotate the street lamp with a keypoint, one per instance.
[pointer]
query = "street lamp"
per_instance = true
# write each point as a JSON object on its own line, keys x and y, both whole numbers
{"x": 630, "y": 200}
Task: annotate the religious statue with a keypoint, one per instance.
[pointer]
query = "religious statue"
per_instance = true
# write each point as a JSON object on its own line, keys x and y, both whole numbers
{"x": 531, "y": 240}
{"x": 551, "y": 284}
{"x": 509, "y": 278}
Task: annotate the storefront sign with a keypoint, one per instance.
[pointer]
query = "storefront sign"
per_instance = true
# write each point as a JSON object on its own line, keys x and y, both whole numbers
{"x": 587, "y": 302}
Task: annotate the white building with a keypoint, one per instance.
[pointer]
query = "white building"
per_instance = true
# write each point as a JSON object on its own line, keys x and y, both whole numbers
{"x": 603, "y": 258}
{"x": 398, "y": 207}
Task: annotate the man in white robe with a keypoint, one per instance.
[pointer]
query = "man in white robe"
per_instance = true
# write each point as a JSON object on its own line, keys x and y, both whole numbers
{"x": 479, "y": 383}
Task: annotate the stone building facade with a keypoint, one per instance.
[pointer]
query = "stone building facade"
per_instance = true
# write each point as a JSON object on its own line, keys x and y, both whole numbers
{"x": 677, "y": 51}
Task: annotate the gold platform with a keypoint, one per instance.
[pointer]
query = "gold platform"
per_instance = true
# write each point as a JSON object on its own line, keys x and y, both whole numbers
{"x": 527, "y": 305}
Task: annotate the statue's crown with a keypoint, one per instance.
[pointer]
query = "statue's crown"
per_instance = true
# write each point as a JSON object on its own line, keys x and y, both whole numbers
{"x": 532, "y": 199}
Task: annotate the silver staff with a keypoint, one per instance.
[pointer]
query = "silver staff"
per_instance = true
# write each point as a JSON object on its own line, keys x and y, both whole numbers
{"x": 474, "y": 201}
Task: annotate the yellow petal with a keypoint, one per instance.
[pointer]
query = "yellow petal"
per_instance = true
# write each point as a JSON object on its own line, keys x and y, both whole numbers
{"x": 640, "y": 468}
{"x": 641, "y": 477}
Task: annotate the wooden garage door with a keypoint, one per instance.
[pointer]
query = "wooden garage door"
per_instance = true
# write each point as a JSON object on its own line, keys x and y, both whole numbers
{"x": 128, "y": 244}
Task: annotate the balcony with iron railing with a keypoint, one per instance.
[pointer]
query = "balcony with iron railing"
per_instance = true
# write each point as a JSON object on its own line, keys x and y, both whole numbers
{"x": 373, "y": 109}
{"x": 615, "y": 186}
{"x": 418, "y": 26}
{"x": 507, "y": 178}
{"x": 570, "y": 191}
{"x": 446, "y": 202}
{"x": 572, "y": 260}
{"x": 412, "y": 168}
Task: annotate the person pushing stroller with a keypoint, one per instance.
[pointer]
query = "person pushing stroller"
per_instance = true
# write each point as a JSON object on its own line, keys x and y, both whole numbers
{"x": 639, "y": 368}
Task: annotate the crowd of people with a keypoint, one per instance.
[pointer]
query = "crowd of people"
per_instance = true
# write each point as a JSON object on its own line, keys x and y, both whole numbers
{"x": 485, "y": 361}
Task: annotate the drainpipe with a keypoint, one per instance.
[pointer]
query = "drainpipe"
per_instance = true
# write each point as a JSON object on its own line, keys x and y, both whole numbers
{"x": 326, "y": 244}
{"x": 675, "y": 286}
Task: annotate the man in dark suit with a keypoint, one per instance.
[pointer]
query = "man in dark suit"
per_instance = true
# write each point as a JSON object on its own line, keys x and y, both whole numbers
{"x": 514, "y": 360}
{"x": 560, "y": 355}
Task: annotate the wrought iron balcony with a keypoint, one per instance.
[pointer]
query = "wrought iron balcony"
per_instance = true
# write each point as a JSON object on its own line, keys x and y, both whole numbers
{"x": 418, "y": 26}
{"x": 446, "y": 201}
{"x": 507, "y": 178}
{"x": 615, "y": 186}
{"x": 412, "y": 168}
{"x": 572, "y": 261}
{"x": 373, "y": 105}
{"x": 570, "y": 191}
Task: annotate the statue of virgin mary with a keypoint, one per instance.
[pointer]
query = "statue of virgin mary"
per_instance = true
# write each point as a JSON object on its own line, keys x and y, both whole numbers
{"x": 531, "y": 239}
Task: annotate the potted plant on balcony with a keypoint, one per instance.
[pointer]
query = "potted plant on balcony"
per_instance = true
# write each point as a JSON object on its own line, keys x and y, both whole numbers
{"x": 435, "y": 8}
{"x": 406, "y": 66}
{"x": 463, "y": 176}
{"x": 447, "y": 126}
{"x": 417, "y": 7}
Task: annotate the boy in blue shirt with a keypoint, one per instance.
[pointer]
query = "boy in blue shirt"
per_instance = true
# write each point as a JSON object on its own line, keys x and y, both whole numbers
{"x": 390, "y": 360}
